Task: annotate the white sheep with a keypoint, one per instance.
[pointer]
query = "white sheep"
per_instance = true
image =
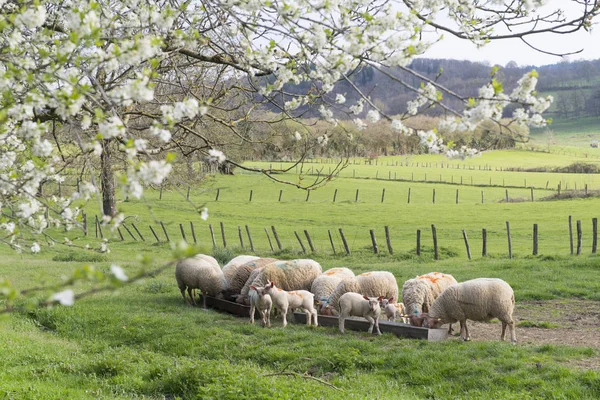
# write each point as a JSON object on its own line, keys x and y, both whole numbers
{"x": 324, "y": 285}
{"x": 261, "y": 301}
{"x": 370, "y": 284}
{"x": 232, "y": 266}
{"x": 478, "y": 300}
{"x": 354, "y": 304}
{"x": 284, "y": 301}
{"x": 393, "y": 310}
{"x": 243, "y": 296}
{"x": 200, "y": 272}
{"x": 242, "y": 274}
{"x": 287, "y": 275}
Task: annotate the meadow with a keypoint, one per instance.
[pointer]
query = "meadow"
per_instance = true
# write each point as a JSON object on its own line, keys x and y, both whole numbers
{"x": 141, "y": 341}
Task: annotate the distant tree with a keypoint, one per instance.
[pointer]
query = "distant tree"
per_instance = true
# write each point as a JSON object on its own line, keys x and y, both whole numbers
{"x": 512, "y": 64}
{"x": 563, "y": 106}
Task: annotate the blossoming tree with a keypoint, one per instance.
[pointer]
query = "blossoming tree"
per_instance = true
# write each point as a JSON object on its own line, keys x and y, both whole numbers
{"x": 123, "y": 85}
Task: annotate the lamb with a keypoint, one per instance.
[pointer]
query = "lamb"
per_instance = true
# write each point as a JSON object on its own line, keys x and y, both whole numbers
{"x": 199, "y": 272}
{"x": 288, "y": 275}
{"x": 418, "y": 294}
{"x": 284, "y": 301}
{"x": 393, "y": 310}
{"x": 479, "y": 300}
{"x": 371, "y": 284}
{"x": 325, "y": 284}
{"x": 242, "y": 298}
{"x": 261, "y": 301}
{"x": 354, "y": 304}
{"x": 233, "y": 265}
{"x": 242, "y": 273}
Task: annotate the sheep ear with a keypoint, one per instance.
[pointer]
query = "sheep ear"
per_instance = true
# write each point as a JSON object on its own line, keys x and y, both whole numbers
{"x": 272, "y": 284}
{"x": 253, "y": 287}
{"x": 381, "y": 297}
{"x": 391, "y": 300}
{"x": 365, "y": 297}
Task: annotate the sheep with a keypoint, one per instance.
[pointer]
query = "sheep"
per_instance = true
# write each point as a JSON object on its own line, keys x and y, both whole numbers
{"x": 199, "y": 272}
{"x": 355, "y": 304}
{"x": 372, "y": 284}
{"x": 325, "y": 284}
{"x": 393, "y": 310}
{"x": 242, "y": 273}
{"x": 262, "y": 301}
{"x": 284, "y": 301}
{"x": 478, "y": 300}
{"x": 242, "y": 298}
{"x": 419, "y": 293}
{"x": 233, "y": 265}
{"x": 288, "y": 275}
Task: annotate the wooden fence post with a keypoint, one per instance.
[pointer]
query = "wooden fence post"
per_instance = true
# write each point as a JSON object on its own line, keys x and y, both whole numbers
{"x": 484, "y": 244}
{"x": 383, "y": 195}
{"x": 456, "y": 196}
{"x": 218, "y": 192}
{"x": 374, "y": 241}
{"x": 594, "y": 235}
{"x": 436, "y": 253}
{"x": 300, "y": 241}
{"x": 276, "y": 236}
{"x": 535, "y": 239}
{"x": 466, "y": 244}
{"x": 280, "y": 193}
{"x": 128, "y": 231}
{"x": 165, "y": 231}
{"x": 418, "y": 242}
{"x": 509, "y": 240}
{"x": 269, "y": 239}
{"x": 250, "y": 239}
{"x": 85, "y": 226}
{"x": 161, "y": 189}
{"x": 154, "y": 233}
{"x": 571, "y": 234}
{"x": 223, "y": 235}
{"x": 250, "y": 200}
{"x": 579, "y": 237}
{"x": 310, "y": 243}
{"x": 344, "y": 242}
{"x": 187, "y": 197}
{"x": 356, "y": 199}
{"x": 482, "y": 197}
{"x": 507, "y": 195}
{"x": 307, "y": 194}
{"x": 331, "y": 240}
{"x": 182, "y": 233}
{"x": 433, "y": 196}
{"x": 120, "y": 234}
{"x": 388, "y": 240}
{"x": 212, "y": 235}
{"x": 241, "y": 237}
{"x": 532, "y": 199}
{"x": 193, "y": 232}
{"x": 408, "y": 195}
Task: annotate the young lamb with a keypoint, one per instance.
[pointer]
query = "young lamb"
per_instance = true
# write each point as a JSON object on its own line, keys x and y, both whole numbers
{"x": 291, "y": 300}
{"x": 199, "y": 272}
{"x": 371, "y": 284}
{"x": 261, "y": 301}
{"x": 479, "y": 300}
{"x": 393, "y": 310}
{"x": 325, "y": 284}
{"x": 357, "y": 305}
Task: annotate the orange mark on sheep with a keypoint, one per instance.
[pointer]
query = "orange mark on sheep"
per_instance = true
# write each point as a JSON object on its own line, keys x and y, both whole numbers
{"x": 429, "y": 278}
{"x": 333, "y": 272}
{"x": 366, "y": 274}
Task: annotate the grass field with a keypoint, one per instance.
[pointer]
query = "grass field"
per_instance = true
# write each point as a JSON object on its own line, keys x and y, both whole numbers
{"x": 142, "y": 342}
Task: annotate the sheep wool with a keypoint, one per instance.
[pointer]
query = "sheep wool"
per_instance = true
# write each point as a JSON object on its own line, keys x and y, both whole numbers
{"x": 418, "y": 294}
{"x": 243, "y": 273}
{"x": 289, "y": 275}
{"x": 325, "y": 284}
{"x": 199, "y": 272}
{"x": 370, "y": 284}
{"x": 230, "y": 269}
{"x": 243, "y": 297}
{"x": 478, "y": 300}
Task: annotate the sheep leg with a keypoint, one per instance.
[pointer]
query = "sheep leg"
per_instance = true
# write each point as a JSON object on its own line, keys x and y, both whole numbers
{"x": 377, "y": 326}
{"x": 341, "y": 319}
{"x": 191, "y": 296}
{"x": 252, "y": 310}
{"x": 308, "y": 316}
{"x": 284, "y": 311}
{"x": 268, "y": 317}
{"x": 513, "y": 335}
{"x": 450, "y": 329}
{"x": 503, "y": 334}
{"x": 185, "y": 300}
{"x": 466, "y": 338}
{"x": 372, "y": 323}
{"x": 315, "y": 322}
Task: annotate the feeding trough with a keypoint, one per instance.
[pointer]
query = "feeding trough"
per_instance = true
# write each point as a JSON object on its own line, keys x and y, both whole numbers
{"x": 361, "y": 325}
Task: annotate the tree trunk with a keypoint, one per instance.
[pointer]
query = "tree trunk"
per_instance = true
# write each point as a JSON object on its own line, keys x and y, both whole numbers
{"x": 107, "y": 178}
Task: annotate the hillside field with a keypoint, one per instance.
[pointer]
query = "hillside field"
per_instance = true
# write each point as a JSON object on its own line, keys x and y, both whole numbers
{"x": 141, "y": 341}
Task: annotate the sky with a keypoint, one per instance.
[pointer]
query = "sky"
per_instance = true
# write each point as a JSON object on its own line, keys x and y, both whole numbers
{"x": 503, "y": 51}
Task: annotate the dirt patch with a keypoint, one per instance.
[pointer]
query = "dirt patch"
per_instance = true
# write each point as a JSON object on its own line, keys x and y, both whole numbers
{"x": 567, "y": 322}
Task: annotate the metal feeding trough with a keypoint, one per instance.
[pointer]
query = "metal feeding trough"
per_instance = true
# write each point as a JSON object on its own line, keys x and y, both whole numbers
{"x": 362, "y": 325}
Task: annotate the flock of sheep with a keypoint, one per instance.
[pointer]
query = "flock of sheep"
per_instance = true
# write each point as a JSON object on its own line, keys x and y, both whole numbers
{"x": 430, "y": 300}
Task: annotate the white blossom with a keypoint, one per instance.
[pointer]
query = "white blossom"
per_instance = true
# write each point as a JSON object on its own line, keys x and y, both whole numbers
{"x": 297, "y": 136}
{"x": 65, "y": 298}
{"x": 373, "y": 116}
{"x": 118, "y": 273}
{"x": 216, "y": 156}
{"x": 340, "y": 99}
{"x": 204, "y": 214}
{"x": 35, "y": 247}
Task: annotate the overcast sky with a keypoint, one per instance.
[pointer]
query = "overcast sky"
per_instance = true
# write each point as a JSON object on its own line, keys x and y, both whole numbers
{"x": 503, "y": 51}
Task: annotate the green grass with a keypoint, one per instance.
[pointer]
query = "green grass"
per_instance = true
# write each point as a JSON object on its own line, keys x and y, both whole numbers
{"x": 142, "y": 342}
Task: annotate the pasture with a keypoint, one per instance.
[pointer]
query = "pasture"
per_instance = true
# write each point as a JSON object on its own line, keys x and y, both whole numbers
{"x": 141, "y": 341}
